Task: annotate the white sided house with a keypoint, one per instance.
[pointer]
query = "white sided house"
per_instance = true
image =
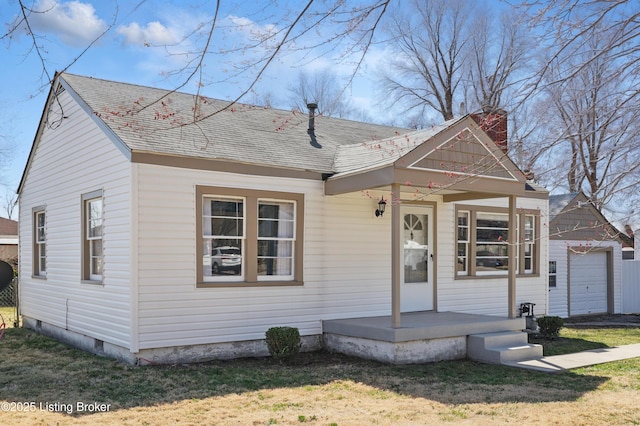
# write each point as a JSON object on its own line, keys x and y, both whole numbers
{"x": 585, "y": 259}
{"x": 161, "y": 227}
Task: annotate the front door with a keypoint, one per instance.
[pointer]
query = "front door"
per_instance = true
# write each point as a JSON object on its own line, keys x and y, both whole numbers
{"x": 416, "y": 292}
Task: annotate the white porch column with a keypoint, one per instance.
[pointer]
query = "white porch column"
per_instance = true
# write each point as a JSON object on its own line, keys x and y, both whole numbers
{"x": 512, "y": 246}
{"x": 395, "y": 255}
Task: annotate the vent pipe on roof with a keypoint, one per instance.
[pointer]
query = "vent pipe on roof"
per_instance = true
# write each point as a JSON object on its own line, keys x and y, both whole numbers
{"x": 312, "y": 115}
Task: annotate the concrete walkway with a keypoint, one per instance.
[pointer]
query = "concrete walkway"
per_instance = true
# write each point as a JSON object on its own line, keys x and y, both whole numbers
{"x": 560, "y": 363}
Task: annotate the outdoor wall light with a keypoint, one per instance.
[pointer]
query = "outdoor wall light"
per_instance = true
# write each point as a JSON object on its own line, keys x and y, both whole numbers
{"x": 382, "y": 204}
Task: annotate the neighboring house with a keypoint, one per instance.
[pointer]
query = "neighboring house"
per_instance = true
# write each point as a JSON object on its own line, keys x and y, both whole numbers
{"x": 146, "y": 237}
{"x": 585, "y": 258}
{"x": 9, "y": 241}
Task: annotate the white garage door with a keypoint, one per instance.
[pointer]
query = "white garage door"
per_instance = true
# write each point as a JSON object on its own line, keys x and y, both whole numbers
{"x": 588, "y": 286}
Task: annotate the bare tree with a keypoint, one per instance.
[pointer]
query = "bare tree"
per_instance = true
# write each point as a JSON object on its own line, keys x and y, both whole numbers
{"x": 10, "y": 203}
{"x": 452, "y": 53}
{"x": 500, "y": 49}
{"x": 431, "y": 44}
{"x": 587, "y": 84}
{"x": 322, "y": 88}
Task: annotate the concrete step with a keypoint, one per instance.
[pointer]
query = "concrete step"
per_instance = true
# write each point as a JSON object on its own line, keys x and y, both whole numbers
{"x": 502, "y": 347}
{"x": 500, "y": 338}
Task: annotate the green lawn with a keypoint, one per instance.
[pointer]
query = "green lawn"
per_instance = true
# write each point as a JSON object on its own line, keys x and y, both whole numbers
{"x": 582, "y": 339}
{"x": 319, "y": 388}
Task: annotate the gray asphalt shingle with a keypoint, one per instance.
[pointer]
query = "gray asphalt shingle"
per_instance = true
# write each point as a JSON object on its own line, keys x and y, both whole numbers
{"x": 158, "y": 121}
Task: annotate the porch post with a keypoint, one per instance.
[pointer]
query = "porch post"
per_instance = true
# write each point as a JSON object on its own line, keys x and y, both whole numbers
{"x": 512, "y": 247}
{"x": 395, "y": 255}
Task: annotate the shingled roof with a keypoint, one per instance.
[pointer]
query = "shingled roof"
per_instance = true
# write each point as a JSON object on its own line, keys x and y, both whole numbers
{"x": 8, "y": 227}
{"x": 377, "y": 153}
{"x": 150, "y": 120}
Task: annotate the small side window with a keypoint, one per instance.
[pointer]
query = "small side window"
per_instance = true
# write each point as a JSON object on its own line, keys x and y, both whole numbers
{"x": 552, "y": 273}
{"x": 92, "y": 235}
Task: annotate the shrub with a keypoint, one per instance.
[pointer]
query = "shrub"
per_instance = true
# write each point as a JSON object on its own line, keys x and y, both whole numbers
{"x": 283, "y": 342}
{"x": 550, "y": 326}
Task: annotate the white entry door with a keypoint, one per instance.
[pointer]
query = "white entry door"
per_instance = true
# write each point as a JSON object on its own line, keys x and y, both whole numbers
{"x": 416, "y": 291}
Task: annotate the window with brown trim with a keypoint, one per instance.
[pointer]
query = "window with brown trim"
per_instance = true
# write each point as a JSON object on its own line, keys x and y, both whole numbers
{"x": 482, "y": 241}
{"x": 39, "y": 243}
{"x": 248, "y": 237}
{"x": 92, "y": 236}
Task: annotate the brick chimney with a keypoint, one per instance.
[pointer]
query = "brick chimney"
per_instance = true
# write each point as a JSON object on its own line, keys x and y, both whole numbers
{"x": 494, "y": 123}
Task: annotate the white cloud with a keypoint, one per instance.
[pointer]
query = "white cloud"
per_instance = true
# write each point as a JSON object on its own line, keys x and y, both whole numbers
{"x": 73, "y": 22}
{"x": 251, "y": 29}
{"x": 154, "y": 34}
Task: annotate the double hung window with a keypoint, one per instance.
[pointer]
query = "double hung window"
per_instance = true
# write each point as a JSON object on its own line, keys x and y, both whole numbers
{"x": 223, "y": 237}
{"x": 276, "y": 239}
{"x": 92, "y": 234}
{"x": 40, "y": 243}
{"x": 249, "y": 237}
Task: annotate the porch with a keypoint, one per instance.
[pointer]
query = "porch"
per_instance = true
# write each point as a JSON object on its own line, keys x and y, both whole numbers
{"x": 428, "y": 337}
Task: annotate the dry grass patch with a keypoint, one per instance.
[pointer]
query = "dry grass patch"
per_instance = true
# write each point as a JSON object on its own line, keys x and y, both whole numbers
{"x": 318, "y": 388}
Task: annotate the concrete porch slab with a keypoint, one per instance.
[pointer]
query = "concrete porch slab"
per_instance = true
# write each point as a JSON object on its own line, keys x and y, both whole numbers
{"x": 421, "y": 326}
{"x": 422, "y": 336}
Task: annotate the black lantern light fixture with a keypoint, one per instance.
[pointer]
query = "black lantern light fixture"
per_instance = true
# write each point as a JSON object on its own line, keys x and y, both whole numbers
{"x": 382, "y": 204}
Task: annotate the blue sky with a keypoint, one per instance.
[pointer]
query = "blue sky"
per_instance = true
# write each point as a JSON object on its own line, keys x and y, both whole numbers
{"x": 145, "y": 43}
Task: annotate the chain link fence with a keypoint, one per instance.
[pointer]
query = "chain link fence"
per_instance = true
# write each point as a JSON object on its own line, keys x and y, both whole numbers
{"x": 9, "y": 305}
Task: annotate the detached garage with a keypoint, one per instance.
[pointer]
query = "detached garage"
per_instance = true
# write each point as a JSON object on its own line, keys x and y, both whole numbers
{"x": 585, "y": 259}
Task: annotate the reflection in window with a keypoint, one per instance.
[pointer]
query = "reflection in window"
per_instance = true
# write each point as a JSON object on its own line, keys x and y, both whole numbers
{"x": 492, "y": 252}
{"x": 223, "y": 237}
{"x": 483, "y": 247}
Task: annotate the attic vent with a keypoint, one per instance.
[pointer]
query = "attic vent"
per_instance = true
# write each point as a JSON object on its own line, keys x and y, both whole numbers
{"x": 59, "y": 89}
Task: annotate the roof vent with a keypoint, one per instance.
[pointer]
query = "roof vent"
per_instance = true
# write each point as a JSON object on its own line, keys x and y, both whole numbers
{"x": 312, "y": 115}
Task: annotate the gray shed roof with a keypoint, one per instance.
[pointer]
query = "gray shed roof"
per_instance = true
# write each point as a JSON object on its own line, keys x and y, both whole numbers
{"x": 159, "y": 121}
{"x": 557, "y": 203}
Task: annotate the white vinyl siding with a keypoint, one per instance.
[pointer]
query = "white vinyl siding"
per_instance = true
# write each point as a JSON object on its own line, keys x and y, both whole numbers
{"x": 173, "y": 311}
{"x": 70, "y": 160}
{"x": 339, "y": 232}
